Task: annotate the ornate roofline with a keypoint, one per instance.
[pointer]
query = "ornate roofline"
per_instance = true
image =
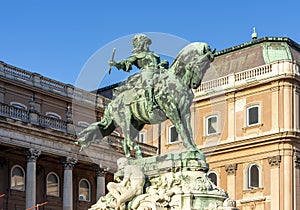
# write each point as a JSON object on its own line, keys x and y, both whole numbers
{"x": 258, "y": 41}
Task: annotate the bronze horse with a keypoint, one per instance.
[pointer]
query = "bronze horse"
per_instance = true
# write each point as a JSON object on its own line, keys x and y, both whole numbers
{"x": 173, "y": 96}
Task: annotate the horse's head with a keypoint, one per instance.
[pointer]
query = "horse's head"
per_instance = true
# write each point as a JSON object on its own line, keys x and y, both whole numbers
{"x": 192, "y": 62}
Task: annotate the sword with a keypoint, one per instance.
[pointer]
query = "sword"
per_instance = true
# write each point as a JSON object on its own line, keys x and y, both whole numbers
{"x": 112, "y": 59}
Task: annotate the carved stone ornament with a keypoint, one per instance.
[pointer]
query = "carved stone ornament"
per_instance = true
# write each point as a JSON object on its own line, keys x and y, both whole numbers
{"x": 173, "y": 184}
{"x": 69, "y": 163}
{"x": 100, "y": 170}
{"x": 275, "y": 161}
{"x": 297, "y": 161}
{"x": 32, "y": 154}
{"x": 231, "y": 168}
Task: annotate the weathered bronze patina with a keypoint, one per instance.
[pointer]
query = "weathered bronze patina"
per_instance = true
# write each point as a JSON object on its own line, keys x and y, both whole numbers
{"x": 154, "y": 95}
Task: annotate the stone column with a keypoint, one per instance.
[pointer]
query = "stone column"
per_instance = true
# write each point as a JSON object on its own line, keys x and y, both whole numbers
{"x": 275, "y": 107}
{"x": 287, "y": 98}
{"x": 275, "y": 181}
{"x": 100, "y": 171}
{"x": 287, "y": 181}
{"x": 296, "y": 114}
{"x": 297, "y": 183}
{"x": 231, "y": 182}
{"x": 68, "y": 163}
{"x": 231, "y": 118}
{"x": 32, "y": 155}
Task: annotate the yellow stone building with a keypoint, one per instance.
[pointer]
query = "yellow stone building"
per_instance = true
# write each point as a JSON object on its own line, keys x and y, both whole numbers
{"x": 246, "y": 119}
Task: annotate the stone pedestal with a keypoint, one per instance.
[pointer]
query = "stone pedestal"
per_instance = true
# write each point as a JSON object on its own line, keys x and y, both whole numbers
{"x": 170, "y": 182}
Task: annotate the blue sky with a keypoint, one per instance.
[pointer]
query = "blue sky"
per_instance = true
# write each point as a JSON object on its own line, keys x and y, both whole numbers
{"x": 57, "y": 38}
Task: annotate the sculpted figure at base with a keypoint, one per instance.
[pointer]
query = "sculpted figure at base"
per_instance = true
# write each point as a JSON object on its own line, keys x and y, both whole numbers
{"x": 171, "y": 182}
{"x": 139, "y": 101}
{"x": 130, "y": 186}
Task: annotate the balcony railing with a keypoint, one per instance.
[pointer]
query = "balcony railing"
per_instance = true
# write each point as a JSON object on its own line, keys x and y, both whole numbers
{"x": 14, "y": 113}
{"x": 60, "y": 125}
{"x": 255, "y": 74}
{"x": 24, "y": 116}
{"x": 49, "y": 122}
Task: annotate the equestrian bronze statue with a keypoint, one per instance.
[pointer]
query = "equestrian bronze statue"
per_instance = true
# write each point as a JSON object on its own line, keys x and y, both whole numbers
{"x": 157, "y": 93}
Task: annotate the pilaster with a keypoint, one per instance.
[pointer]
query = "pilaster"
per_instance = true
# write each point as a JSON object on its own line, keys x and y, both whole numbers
{"x": 231, "y": 179}
{"x": 68, "y": 164}
{"x": 275, "y": 181}
{"x": 31, "y": 156}
{"x": 297, "y": 182}
{"x": 101, "y": 172}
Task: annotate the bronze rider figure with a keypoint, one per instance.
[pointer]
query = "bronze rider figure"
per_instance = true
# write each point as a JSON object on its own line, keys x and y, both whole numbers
{"x": 147, "y": 61}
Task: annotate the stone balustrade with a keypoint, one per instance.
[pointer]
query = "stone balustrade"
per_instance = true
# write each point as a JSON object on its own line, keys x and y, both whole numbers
{"x": 49, "y": 122}
{"x": 14, "y": 112}
{"x": 250, "y": 75}
{"x": 23, "y": 115}
{"x": 37, "y": 80}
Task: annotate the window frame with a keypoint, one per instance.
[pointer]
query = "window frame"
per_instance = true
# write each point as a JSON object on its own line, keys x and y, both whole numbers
{"x": 170, "y": 136}
{"x": 206, "y": 124}
{"x": 249, "y": 178}
{"x": 24, "y": 177}
{"x": 141, "y": 133}
{"x": 83, "y": 124}
{"x": 18, "y": 105}
{"x": 217, "y": 177}
{"x": 53, "y": 115}
{"x": 89, "y": 184}
{"x": 258, "y": 115}
{"x": 58, "y": 184}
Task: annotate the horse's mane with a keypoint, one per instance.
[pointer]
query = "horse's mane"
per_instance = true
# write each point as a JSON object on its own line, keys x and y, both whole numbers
{"x": 186, "y": 56}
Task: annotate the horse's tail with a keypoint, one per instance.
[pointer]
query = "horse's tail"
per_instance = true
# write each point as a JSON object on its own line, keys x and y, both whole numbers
{"x": 97, "y": 130}
{"x": 107, "y": 125}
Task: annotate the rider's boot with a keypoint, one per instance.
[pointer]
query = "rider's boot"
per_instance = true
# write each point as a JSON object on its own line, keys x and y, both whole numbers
{"x": 149, "y": 94}
{"x": 149, "y": 99}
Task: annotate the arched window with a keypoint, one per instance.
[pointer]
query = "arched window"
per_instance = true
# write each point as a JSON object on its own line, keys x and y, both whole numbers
{"x": 53, "y": 115}
{"x": 53, "y": 184}
{"x": 83, "y": 124}
{"x": 212, "y": 175}
{"x": 18, "y": 105}
{"x": 17, "y": 178}
{"x": 253, "y": 174}
{"x": 84, "y": 190}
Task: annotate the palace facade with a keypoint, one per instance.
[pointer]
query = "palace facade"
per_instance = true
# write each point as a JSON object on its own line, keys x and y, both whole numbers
{"x": 39, "y": 162}
{"x": 246, "y": 119}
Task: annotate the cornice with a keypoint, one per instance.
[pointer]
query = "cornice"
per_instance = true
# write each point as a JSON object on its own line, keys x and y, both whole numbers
{"x": 289, "y": 41}
{"x": 253, "y": 142}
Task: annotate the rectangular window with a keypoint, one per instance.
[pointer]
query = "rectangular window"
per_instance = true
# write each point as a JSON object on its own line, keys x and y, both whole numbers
{"x": 141, "y": 137}
{"x": 252, "y": 115}
{"x": 211, "y": 125}
{"x": 173, "y": 135}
